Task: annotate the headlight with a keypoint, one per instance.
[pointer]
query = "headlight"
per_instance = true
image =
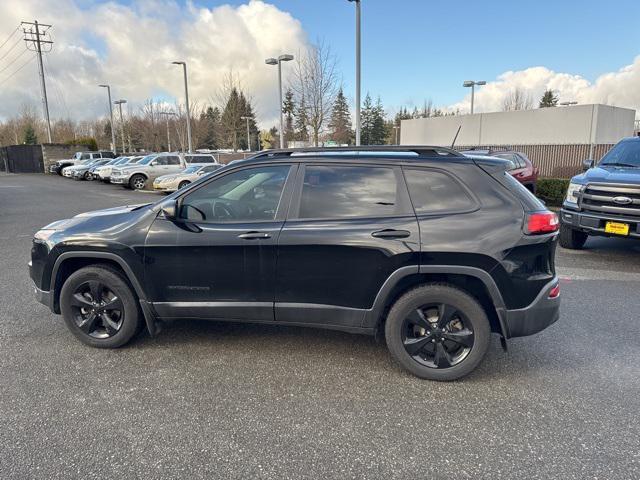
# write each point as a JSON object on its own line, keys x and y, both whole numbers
{"x": 44, "y": 234}
{"x": 572, "y": 192}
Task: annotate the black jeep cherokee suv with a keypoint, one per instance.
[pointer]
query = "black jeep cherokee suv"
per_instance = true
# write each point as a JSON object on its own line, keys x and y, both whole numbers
{"x": 604, "y": 200}
{"x": 429, "y": 248}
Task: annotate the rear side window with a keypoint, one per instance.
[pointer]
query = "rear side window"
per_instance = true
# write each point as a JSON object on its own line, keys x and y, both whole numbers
{"x": 348, "y": 191}
{"x": 432, "y": 191}
{"x": 173, "y": 160}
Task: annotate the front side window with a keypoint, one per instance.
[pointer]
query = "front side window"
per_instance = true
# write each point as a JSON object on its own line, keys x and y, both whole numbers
{"x": 348, "y": 191}
{"x": 432, "y": 192}
{"x": 252, "y": 194}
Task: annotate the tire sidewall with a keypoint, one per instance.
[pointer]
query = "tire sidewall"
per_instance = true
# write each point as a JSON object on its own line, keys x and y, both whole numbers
{"x": 438, "y": 294}
{"x": 120, "y": 288}
{"x": 133, "y": 181}
{"x": 182, "y": 185}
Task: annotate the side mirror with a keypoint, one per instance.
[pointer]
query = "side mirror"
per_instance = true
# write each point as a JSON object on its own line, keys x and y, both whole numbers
{"x": 587, "y": 164}
{"x": 154, "y": 163}
{"x": 170, "y": 210}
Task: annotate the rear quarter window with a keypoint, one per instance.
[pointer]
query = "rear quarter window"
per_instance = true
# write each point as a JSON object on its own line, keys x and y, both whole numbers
{"x": 433, "y": 191}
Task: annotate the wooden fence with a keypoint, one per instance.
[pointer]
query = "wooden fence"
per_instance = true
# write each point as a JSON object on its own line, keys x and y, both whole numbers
{"x": 556, "y": 161}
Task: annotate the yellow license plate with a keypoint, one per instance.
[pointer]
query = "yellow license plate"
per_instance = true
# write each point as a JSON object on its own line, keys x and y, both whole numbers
{"x": 617, "y": 228}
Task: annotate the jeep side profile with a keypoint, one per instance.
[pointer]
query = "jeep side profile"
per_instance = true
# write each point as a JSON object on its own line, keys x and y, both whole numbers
{"x": 427, "y": 248}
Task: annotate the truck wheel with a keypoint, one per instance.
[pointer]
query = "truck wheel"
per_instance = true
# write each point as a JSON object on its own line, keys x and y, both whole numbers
{"x": 99, "y": 307}
{"x": 572, "y": 239}
{"x": 438, "y": 332}
{"x": 137, "y": 182}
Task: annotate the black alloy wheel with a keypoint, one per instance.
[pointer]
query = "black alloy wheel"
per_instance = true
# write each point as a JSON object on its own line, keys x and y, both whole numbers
{"x": 97, "y": 310}
{"x": 437, "y": 335}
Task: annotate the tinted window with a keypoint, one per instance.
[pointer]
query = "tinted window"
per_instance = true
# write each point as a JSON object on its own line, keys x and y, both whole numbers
{"x": 199, "y": 159}
{"x": 343, "y": 191}
{"x": 172, "y": 160}
{"x": 252, "y": 194}
{"x": 84, "y": 156}
{"x": 516, "y": 162}
{"x": 432, "y": 191}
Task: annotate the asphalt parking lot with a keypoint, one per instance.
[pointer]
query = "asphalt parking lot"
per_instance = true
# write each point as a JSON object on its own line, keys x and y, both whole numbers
{"x": 218, "y": 400}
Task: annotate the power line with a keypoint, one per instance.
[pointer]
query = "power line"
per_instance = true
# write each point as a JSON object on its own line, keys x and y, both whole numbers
{"x": 14, "y": 60}
{"x": 19, "y": 68}
{"x": 9, "y": 51}
{"x": 9, "y": 37}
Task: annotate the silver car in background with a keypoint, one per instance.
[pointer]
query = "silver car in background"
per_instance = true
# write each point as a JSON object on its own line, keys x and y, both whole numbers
{"x": 104, "y": 172}
{"x": 172, "y": 182}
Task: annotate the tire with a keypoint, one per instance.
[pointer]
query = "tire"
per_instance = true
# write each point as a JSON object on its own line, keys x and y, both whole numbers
{"x": 572, "y": 239}
{"x": 427, "y": 361}
{"x": 137, "y": 182}
{"x": 183, "y": 184}
{"x": 88, "y": 176}
{"x": 76, "y": 306}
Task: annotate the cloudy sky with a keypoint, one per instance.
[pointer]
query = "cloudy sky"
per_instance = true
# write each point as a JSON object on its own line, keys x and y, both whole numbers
{"x": 412, "y": 50}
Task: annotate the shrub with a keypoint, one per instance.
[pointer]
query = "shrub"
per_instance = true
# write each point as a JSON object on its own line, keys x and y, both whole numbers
{"x": 90, "y": 142}
{"x": 552, "y": 190}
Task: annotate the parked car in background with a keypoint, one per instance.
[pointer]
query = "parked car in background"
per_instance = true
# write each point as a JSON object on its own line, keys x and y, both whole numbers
{"x": 84, "y": 172}
{"x": 68, "y": 170}
{"x": 148, "y": 169}
{"x": 605, "y": 199}
{"x": 172, "y": 182}
{"x": 522, "y": 169}
{"x": 77, "y": 158}
{"x": 198, "y": 158}
{"x": 428, "y": 248}
{"x": 104, "y": 172}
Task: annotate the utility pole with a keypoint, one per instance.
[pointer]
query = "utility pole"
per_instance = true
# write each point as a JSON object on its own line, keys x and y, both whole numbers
{"x": 119, "y": 103}
{"x": 32, "y": 38}
{"x": 186, "y": 98}
{"x": 248, "y": 135}
{"x": 113, "y": 132}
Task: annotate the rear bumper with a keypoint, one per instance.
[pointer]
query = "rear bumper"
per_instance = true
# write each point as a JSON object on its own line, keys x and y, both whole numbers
{"x": 542, "y": 312}
{"x": 594, "y": 224}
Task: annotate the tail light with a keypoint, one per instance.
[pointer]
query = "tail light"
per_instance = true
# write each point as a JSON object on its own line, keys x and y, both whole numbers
{"x": 555, "y": 291}
{"x": 541, "y": 222}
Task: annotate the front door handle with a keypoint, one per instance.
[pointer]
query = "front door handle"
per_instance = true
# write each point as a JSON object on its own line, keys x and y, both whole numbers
{"x": 254, "y": 235}
{"x": 390, "y": 233}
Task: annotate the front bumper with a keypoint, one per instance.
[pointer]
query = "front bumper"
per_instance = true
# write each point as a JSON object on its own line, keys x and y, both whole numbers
{"x": 542, "y": 312}
{"x": 119, "y": 180}
{"x": 164, "y": 187}
{"x": 594, "y": 224}
{"x": 43, "y": 297}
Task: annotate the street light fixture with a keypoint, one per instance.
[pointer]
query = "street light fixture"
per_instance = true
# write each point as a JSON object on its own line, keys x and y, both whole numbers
{"x": 566, "y": 104}
{"x": 278, "y": 61}
{"x": 472, "y": 84}
{"x": 186, "y": 96}
{"x": 248, "y": 135}
{"x": 357, "y": 2}
{"x": 119, "y": 103}
{"x": 167, "y": 115}
{"x": 113, "y": 133}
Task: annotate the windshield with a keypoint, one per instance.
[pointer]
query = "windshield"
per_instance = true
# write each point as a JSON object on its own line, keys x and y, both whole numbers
{"x": 624, "y": 154}
{"x": 192, "y": 169}
{"x": 122, "y": 161}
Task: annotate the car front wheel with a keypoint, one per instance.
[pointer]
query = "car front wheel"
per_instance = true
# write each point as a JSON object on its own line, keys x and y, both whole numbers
{"x": 572, "y": 239}
{"x": 137, "y": 182}
{"x": 438, "y": 332}
{"x": 99, "y": 307}
{"x": 183, "y": 184}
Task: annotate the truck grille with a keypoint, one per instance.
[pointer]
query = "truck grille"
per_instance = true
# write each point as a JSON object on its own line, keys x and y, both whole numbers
{"x": 613, "y": 200}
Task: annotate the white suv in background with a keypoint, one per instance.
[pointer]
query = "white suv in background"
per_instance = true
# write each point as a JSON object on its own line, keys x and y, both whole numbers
{"x": 150, "y": 167}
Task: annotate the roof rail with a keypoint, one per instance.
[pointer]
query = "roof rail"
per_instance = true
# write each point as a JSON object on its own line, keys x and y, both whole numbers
{"x": 420, "y": 150}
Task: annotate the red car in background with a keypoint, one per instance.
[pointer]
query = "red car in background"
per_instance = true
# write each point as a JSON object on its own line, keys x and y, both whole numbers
{"x": 522, "y": 170}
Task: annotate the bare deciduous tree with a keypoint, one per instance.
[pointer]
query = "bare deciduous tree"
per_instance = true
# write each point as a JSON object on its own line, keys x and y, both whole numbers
{"x": 517, "y": 99}
{"x": 315, "y": 78}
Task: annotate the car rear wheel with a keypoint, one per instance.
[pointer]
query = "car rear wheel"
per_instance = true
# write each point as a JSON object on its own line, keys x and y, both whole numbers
{"x": 438, "y": 332}
{"x": 88, "y": 176}
{"x": 183, "y": 184}
{"x": 572, "y": 239}
{"x": 99, "y": 307}
{"x": 137, "y": 182}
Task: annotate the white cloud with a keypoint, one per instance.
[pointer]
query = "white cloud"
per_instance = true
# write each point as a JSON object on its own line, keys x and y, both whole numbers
{"x": 131, "y": 47}
{"x": 621, "y": 88}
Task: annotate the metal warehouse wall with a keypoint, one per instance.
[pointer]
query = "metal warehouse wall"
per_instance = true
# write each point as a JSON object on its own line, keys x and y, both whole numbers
{"x": 574, "y": 125}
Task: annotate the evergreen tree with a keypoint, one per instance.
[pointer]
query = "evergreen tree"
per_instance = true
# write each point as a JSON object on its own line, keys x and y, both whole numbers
{"x": 30, "y": 137}
{"x": 549, "y": 99}
{"x": 231, "y": 121}
{"x": 367, "y": 119}
{"x": 301, "y": 126}
{"x": 378, "y": 135}
{"x": 212, "y": 127}
{"x": 289, "y": 109}
{"x": 247, "y": 111}
{"x": 340, "y": 123}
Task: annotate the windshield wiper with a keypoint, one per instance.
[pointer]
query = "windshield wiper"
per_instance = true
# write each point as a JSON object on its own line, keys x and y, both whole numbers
{"x": 618, "y": 164}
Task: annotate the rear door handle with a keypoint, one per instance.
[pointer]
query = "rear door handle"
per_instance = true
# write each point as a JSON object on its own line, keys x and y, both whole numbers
{"x": 390, "y": 233}
{"x": 254, "y": 235}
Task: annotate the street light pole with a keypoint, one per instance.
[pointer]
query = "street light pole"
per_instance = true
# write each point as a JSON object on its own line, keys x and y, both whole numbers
{"x": 278, "y": 61}
{"x": 113, "y": 132}
{"x": 248, "y": 134}
{"x": 396, "y": 128}
{"x": 166, "y": 116}
{"x": 119, "y": 103}
{"x": 358, "y": 36}
{"x": 186, "y": 96}
{"x": 472, "y": 84}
